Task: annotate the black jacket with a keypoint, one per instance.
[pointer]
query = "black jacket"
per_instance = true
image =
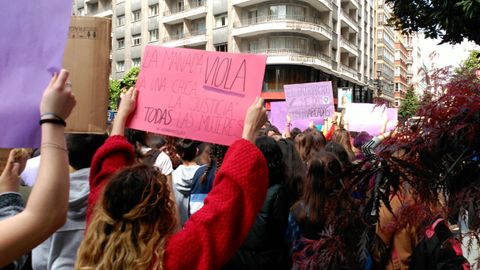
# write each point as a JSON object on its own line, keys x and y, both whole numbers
{"x": 265, "y": 246}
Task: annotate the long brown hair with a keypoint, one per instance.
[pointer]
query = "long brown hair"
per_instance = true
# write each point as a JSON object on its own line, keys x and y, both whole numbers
{"x": 304, "y": 145}
{"x": 131, "y": 222}
{"x": 342, "y": 137}
{"x": 322, "y": 180}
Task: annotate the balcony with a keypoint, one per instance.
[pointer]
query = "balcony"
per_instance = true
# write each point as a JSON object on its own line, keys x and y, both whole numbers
{"x": 191, "y": 12}
{"x": 349, "y": 46}
{"x": 348, "y": 72}
{"x": 192, "y": 39}
{"x": 349, "y": 21}
{"x": 409, "y": 60}
{"x": 296, "y": 57}
{"x": 287, "y": 23}
{"x": 353, "y": 3}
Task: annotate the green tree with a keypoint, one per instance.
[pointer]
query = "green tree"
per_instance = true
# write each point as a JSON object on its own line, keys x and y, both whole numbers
{"x": 117, "y": 86}
{"x": 469, "y": 65}
{"x": 409, "y": 105}
{"x": 452, "y": 21}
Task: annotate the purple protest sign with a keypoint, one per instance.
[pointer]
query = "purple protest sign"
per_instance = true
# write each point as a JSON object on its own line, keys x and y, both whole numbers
{"x": 278, "y": 115}
{"x": 309, "y": 102}
{"x": 33, "y": 34}
{"x": 392, "y": 116}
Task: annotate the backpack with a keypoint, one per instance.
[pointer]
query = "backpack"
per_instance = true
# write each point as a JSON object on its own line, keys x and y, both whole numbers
{"x": 439, "y": 250}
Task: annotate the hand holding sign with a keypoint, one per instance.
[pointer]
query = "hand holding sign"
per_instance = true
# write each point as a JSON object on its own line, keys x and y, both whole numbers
{"x": 58, "y": 99}
{"x": 255, "y": 118}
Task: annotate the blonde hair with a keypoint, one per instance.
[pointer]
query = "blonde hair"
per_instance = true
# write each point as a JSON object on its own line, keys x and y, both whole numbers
{"x": 131, "y": 222}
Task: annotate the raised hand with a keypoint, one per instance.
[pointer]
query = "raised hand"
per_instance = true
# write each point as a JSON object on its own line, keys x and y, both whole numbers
{"x": 58, "y": 99}
{"x": 255, "y": 118}
{"x": 10, "y": 177}
{"x": 128, "y": 102}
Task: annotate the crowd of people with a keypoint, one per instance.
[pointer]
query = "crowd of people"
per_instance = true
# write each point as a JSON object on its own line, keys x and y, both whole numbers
{"x": 290, "y": 199}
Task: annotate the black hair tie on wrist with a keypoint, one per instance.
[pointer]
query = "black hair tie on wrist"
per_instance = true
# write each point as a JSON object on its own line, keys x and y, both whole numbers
{"x": 55, "y": 121}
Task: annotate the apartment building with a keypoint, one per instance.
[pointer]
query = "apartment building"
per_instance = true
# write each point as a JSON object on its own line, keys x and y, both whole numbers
{"x": 305, "y": 40}
{"x": 385, "y": 53}
{"x": 401, "y": 69}
{"x": 97, "y": 8}
{"x": 417, "y": 70}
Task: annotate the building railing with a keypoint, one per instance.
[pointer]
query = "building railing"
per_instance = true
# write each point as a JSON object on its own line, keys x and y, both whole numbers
{"x": 350, "y": 71}
{"x": 348, "y": 43}
{"x": 347, "y": 16}
{"x": 281, "y": 18}
{"x": 180, "y": 36}
{"x": 291, "y": 51}
{"x": 187, "y": 7}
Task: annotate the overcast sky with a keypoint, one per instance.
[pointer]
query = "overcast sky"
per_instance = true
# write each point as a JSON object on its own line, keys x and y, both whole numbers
{"x": 447, "y": 54}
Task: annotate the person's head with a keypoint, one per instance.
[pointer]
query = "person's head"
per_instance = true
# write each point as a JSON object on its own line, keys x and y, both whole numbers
{"x": 342, "y": 137}
{"x": 294, "y": 132}
{"x": 272, "y": 130}
{"x": 82, "y": 148}
{"x": 304, "y": 145}
{"x": 273, "y": 154}
{"x": 322, "y": 180}
{"x": 204, "y": 156}
{"x": 339, "y": 151}
{"x": 361, "y": 139}
{"x": 187, "y": 149}
{"x": 136, "y": 137}
{"x": 131, "y": 222}
{"x": 318, "y": 140}
{"x": 156, "y": 141}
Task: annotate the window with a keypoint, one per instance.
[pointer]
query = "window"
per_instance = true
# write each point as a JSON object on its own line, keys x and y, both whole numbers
{"x": 253, "y": 47}
{"x": 180, "y": 6}
{"x": 81, "y": 12}
{"x": 136, "y": 16}
{"x": 136, "y": 62}
{"x": 397, "y": 103}
{"x": 278, "y": 12}
{"x": 120, "y": 66}
{"x": 153, "y": 35}
{"x": 198, "y": 27}
{"x": 153, "y": 10}
{"x": 136, "y": 40}
{"x": 397, "y": 87}
{"x": 221, "y": 20}
{"x": 121, "y": 20}
{"x": 221, "y": 47}
{"x": 120, "y": 43}
{"x": 253, "y": 16}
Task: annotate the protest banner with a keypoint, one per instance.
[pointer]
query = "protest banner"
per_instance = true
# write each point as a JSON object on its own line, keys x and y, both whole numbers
{"x": 87, "y": 58}
{"x": 366, "y": 117}
{"x": 33, "y": 34}
{"x": 278, "y": 114}
{"x": 344, "y": 97}
{"x": 310, "y": 102}
{"x": 196, "y": 94}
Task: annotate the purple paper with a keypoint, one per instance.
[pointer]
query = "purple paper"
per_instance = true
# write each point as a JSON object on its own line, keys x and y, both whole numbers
{"x": 33, "y": 34}
{"x": 278, "y": 115}
{"x": 309, "y": 102}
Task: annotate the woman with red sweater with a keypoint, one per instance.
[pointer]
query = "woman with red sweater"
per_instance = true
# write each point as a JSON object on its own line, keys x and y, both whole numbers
{"x": 131, "y": 218}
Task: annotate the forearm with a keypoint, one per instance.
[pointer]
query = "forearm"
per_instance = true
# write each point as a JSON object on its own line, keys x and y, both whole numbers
{"x": 49, "y": 197}
{"x": 119, "y": 125}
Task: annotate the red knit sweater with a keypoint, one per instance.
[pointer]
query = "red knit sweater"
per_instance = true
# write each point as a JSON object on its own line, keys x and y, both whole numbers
{"x": 213, "y": 234}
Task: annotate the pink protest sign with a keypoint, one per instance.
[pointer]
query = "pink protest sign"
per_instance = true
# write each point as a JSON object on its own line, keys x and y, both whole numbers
{"x": 310, "y": 101}
{"x": 366, "y": 117}
{"x": 196, "y": 94}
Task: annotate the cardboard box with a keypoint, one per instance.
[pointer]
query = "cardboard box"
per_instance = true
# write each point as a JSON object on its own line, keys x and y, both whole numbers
{"x": 87, "y": 57}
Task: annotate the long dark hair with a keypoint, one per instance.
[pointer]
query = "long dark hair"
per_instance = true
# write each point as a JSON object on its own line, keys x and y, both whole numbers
{"x": 273, "y": 154}
{"x": 322, "y": 180}
{"x": 187, "y": 149}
